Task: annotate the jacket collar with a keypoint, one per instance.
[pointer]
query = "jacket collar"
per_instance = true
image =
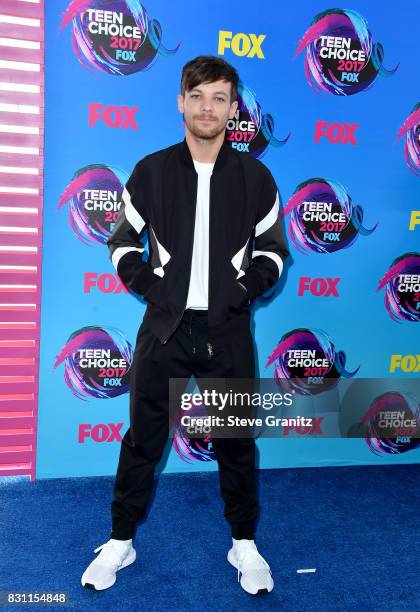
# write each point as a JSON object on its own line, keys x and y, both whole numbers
{"x": 221, "y": 158}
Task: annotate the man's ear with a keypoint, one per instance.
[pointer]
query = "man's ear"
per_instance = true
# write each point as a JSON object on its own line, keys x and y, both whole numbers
{"x": 180, "y": 99}
{"x": 233, "y": 109}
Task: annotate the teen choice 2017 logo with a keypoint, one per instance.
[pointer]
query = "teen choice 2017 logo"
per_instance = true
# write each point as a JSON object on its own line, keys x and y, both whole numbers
{"x": 323, "y": 218}
{"x": 94, "y": 198}
{"x": 114, "y": 36}
{"x": 392, "y": 423}
{"x": 402, "y": 288}
{"x": 411, "y": 129}
{"x": 188, "y": 448}
{"x": 341, "y": 57}
{"x": 307, "y": 360}
{"x": 96, "y": 361}
{"x": 251, "y": 131}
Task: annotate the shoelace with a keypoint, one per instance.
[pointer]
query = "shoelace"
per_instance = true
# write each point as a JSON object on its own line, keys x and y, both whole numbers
{"x": 261, "y": 562}
{"x": 114, "y": 556}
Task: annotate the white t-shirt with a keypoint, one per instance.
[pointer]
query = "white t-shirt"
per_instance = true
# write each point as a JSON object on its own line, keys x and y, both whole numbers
{"x": 198, "y": 289}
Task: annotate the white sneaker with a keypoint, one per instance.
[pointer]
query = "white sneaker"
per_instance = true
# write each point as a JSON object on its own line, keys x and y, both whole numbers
{"x": 114, "y": 555}
{"x": 256, "y": 573}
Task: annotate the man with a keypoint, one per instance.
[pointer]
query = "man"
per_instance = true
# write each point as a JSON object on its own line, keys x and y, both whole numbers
{"x": 204, "y": 205}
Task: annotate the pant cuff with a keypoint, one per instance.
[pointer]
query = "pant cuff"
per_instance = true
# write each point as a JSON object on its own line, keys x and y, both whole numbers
{"x": 119, "y": 534}
{"x": 243, "y": 531}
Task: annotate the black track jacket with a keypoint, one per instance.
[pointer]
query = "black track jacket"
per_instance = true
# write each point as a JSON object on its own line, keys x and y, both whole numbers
{"x": 246, "y": 239}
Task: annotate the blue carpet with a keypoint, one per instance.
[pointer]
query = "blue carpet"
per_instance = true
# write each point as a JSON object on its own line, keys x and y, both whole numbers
{"x": 358, "y": 526}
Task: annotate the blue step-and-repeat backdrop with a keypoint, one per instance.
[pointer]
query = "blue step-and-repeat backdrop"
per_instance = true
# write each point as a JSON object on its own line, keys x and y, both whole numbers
{"x": 329, "y": 101}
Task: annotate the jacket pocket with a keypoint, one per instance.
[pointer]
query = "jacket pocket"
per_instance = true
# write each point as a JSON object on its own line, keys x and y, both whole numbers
{"x": 238, "y": 296}
{"x": 153, "y": 295}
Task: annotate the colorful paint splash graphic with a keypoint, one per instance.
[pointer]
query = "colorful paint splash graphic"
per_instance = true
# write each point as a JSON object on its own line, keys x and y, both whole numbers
{"x": 94, "y": 198}
{"x": 97, "y": 361}
{"x": 411, "y": 129}
{"x": 192, "y": 449}
{"x": 323, "y": 218}
{"x": 392, "y": 411}
{"x": 308, "y": 361}
{"x": 251, "y": 131}
{"x": 114, "y": 36}
{"x": 341, "y": 57}
{"x": 402, "y": 288}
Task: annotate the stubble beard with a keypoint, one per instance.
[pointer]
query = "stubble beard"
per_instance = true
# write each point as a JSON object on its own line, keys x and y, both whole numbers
{"x": 210, "y": 133}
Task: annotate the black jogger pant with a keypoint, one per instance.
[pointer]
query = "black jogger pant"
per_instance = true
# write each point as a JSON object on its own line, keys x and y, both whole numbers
{"x": 186, "y": 353}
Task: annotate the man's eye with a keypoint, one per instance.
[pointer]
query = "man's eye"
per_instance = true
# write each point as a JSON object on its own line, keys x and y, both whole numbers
{"x": 194, "y": 96}
{"x": 220, "y": 99}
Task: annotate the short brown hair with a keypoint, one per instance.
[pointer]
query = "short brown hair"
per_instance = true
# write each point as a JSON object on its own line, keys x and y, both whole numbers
{"x": 208, "y": 69}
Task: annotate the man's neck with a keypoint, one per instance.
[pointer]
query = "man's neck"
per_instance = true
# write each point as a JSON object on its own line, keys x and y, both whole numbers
{"x": 202, "y": 149}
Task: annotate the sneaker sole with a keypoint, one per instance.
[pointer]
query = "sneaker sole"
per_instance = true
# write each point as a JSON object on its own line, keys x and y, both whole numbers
{"x": 231, "y": 560}
{"x": 128, "y": 561}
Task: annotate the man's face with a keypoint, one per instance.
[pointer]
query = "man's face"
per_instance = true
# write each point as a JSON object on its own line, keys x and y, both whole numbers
{"x": 207, "y": 108}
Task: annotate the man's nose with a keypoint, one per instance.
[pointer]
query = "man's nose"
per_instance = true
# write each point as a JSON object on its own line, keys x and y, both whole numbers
{"x": 206, "y": 105}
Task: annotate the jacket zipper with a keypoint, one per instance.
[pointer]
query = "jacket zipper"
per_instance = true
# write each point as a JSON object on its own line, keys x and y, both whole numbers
{"x": 191, "y": 338}
{"x": 209, "y": 346}
{"x": 189, "y": 274}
